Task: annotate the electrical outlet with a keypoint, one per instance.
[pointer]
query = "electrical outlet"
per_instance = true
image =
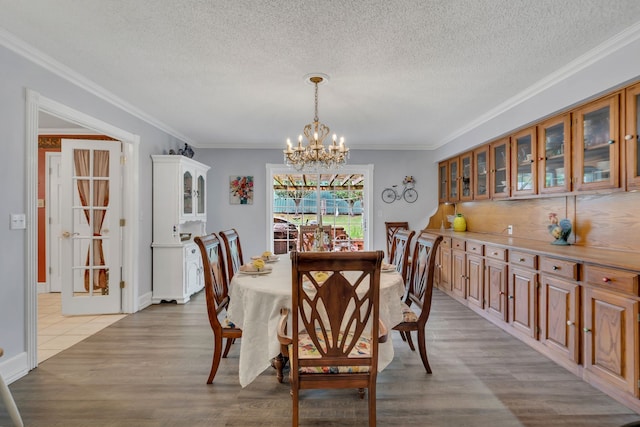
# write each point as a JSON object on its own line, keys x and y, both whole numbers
{"x": 509, "y": 229}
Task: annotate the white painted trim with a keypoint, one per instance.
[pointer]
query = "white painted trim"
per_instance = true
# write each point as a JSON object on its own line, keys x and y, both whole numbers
{"x": 66, "y": 131}
{"x": 34, "y": 104}
{"x": 14, "y": 368}
{"x": 366, "y": 170}
{"x": 27, "y": 51}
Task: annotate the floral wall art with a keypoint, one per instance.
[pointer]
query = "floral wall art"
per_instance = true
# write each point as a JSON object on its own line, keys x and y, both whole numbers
{"x": 241, "y": 190}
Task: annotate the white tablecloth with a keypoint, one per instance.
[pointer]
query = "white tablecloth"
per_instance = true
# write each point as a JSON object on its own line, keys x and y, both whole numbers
{"x": 255, "y": 308}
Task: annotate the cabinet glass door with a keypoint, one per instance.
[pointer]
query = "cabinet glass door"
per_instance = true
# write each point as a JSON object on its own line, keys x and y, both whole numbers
{"x": 442, "y": 182}
{"x": 632, "y": 140}
{"x": 554, "y": 162}
{"x": 597, "y": 145}
{"x": 201, "y": 195}
{"x": 453, "y": 180}
{"x": 466, "y": 174}
{"x": 187, "y": 183}
{"x": 523, "y": 153}
{"x": 481, "y": 177}
{"x": 500, "y": 175}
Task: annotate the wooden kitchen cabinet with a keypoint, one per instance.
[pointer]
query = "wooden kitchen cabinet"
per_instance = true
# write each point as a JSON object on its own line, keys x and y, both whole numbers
{"x": 560, "y": 323}
{"x": 597, "y": 144}
{"x": 496, "y": 289}
{"x": 522, "y": 296}
{"x": 466, "y": 177}
{"x": 443, "y": 177}
{"x": 524, "y": 179}
{"x": 632, "y": 141}
{"x": 454, "y": 180}
{"x": 499, "y": 159}
{"x": 554, "y": 155}
{"x": 481, "y": 174}
{"x": 458, "y": 269}
{"x": 443, "y": 269}
{"x": 475, "y": 274}
{"x": 610, "y": 327}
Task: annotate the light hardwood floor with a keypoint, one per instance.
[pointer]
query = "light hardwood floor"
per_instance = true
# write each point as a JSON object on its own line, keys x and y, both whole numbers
{"x": 150, "y": 369}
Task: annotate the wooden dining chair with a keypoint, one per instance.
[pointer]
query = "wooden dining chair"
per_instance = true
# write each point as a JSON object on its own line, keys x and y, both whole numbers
{"x": 307, "y": 238}
{"x": 233, "y": 251}
{"x": 401, "y": 251}
{"x": 335, "y": 327}
{"x": 419, "y": 293}
{"x": 9, "y": 403}
{"x": 391, "y": 227}
{"x": 217, "y": 296}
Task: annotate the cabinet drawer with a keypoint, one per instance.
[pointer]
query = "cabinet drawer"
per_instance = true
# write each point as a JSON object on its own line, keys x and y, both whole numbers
{"x": 446, "y": 242}
{"x": 457, "y": 244}
{"x": 496, "y": 253}
{"x": 559, "y": 267}
{"x": 523, "y": 259}
{"x": 475, "y": 248}
{"x": 610, "y": 278}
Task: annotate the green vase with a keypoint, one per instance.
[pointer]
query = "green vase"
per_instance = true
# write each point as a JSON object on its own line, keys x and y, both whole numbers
{"x": 459, "y": 223}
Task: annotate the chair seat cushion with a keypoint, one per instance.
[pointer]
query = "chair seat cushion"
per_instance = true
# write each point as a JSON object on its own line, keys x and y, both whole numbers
{"x": 308, "y": 350}
{"x": 408, "y": 315}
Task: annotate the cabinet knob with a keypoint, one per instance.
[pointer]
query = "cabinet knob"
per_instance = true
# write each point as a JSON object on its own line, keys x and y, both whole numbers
{"x": 521, "y": 260}
{"x": 570, "y": 323}
{"x": 555, "y": 267}
{"x": 542, "y": 158}
{"x": 510, "y": 297}
{"x": 587, "y": 330}
{"x": 531, "y": 161}
{"x": 502, "y": 293}
{"x": 611, "y": 141}
{"x": 629, "y": 137}
{"x": 606, "y": 279}
{"x": 495, "y": 254}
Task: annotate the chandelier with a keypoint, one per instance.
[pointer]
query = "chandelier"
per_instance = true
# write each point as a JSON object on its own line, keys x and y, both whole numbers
{"x": 314, "y": 155}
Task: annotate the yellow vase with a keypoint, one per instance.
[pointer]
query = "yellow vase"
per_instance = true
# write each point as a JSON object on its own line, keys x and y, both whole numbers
{"x": 459, "y": 223}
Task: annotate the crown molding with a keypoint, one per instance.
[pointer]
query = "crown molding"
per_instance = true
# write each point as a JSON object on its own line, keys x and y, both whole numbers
{"x": 617, "y": 42}
{"x": 32, "y": 54}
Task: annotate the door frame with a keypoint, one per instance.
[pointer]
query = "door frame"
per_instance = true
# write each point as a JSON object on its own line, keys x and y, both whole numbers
{"x": 36, "y": 103}
{"x": 51, "y": 239}
{"x": 366, "y": 170}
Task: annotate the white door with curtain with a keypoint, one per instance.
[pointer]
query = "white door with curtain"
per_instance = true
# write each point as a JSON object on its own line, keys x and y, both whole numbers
{"x": 90, "y": 226}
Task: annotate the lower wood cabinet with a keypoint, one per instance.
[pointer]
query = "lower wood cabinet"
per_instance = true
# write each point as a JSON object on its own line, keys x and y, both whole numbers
{"x": 443, "y": 269}
{"x": 475, "y": 280}
{"x": 610, "y": 327}
{"x": 522, "y": 300}
{"x": 559, "y": 317}
{"x": 496, "y": 289}
{"x": 459, "y": 273}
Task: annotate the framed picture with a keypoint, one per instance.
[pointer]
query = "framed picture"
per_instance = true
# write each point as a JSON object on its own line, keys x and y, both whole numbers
{"x": 240, "y": 190}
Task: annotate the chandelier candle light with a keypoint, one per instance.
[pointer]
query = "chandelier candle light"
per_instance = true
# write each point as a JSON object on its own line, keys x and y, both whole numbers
{"x": 314, "y": 155}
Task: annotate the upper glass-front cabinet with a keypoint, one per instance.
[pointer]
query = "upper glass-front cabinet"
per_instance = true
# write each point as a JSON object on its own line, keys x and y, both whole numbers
{"x": 187, "y": 186}
{"x": 597, "y": 144}
{"x": 443, "y": 194}
{"x": 554, "y": 160}
{"x": 500, "y": 166}
{"x": 454, "y": 181}
{"x": 631, "y": 137}
{"x": 523, "y": 161}
{"x": 481, "y": 176}
{"x": 466, "y": 174}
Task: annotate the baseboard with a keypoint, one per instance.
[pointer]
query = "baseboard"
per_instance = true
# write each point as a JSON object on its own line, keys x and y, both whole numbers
{"x": 144, "y": 301}
{"x": 43, "y": 288}
{"x": 14, "y": 368}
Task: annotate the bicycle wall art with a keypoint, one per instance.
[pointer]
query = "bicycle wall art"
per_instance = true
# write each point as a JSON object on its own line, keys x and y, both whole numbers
{"x": 408, "y": 193}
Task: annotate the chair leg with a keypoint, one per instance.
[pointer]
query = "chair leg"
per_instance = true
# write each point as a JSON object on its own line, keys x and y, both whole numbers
{"x": 227, "y": 347}
{"x": 410, "y": 340}
{"x": 404, "y": 338}
{"x": 10, "y": 404}
{"x": 217, "y": 352}
{"x": 361, "y": 393}
{"x": 422, "y": 345}
{"x": 294, "y": 400}
{"x": 372, "y": 405}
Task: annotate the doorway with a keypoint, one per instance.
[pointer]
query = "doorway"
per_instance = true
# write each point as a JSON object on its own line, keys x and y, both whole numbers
{"x": 37, "y": 104}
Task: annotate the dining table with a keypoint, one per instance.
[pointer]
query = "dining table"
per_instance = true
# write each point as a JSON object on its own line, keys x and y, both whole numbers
{"x": 255, "y": 303}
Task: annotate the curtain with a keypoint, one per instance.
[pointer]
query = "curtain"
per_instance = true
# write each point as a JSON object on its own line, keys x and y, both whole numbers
{"x": 82, "y": 158}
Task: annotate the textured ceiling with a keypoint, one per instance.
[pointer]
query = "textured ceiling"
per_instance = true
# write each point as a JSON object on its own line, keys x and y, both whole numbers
{"x": 404, "y": 73}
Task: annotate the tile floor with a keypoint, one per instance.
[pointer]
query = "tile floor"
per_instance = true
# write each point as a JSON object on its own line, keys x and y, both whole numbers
{"x": 57, "y": 332}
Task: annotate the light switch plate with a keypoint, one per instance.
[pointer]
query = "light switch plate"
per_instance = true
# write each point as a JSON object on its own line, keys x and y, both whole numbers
{"x": 18, "y": 221}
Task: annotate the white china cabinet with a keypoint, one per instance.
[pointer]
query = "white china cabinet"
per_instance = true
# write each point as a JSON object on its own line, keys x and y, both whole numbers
{"x": 179, "y": 215}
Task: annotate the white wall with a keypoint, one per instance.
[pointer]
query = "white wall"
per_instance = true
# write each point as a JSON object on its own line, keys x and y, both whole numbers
{"x": 390, "y": 167}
